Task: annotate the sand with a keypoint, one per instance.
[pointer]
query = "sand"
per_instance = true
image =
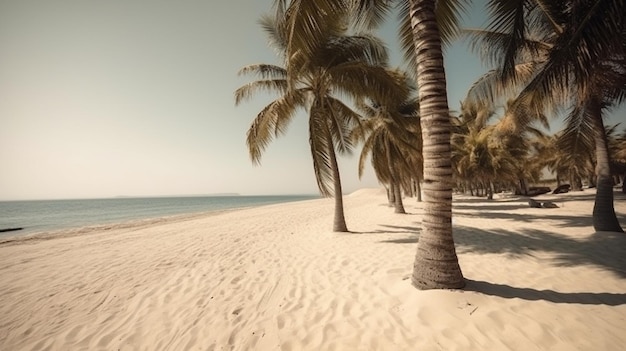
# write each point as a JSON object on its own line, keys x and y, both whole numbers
{"x": 277, "y": 278}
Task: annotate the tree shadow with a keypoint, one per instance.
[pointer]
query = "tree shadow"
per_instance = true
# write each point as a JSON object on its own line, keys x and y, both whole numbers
{"x": 494, "y": 206}
{"x": 409, "y": 240}
{"x": 511, "y": 292}
{"x": 477, "y": 199}
{"x": 603, "y": 249}
{"x": 521, "y": 201}
{"x": 393, "y": 229}
{"x": 564, "y": 221}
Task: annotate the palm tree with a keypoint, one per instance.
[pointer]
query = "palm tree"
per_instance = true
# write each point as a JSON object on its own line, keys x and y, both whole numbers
{"x": 572, "y": 165}
{"x": 424, "y": 25}
{"x": 485, "y": 153}
{"x": 562, "y": 54}
{"x": 311, "y": 81}
{"x": 436, "y": 263}
{"x": 617, "y": 146}
{"x": 392, "y": 137}
{"x": 573, "y": 158}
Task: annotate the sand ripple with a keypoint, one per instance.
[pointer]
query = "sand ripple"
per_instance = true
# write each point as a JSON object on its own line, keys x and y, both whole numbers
{"x": 277, "y": 278}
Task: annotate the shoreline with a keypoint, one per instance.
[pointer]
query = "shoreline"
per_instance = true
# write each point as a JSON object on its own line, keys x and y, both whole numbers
{"x": 276, "y": 277}
{"x": 85, "y": 230}
{"x": 66, "y": 229}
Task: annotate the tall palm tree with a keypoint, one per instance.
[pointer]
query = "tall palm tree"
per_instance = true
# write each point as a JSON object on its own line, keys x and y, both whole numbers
{"x": 485, "y": 153}
{"x": 567, "y": 160}
{"x": 569, "y": 53}
{"x": 392, "y": 138}
{"x": 340, "y": 64}
{"x": 436, "y": 263}
{"x": 424, "y": 24}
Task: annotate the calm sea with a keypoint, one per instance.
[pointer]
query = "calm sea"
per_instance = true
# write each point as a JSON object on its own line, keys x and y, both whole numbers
{"x": 52, "y": 215}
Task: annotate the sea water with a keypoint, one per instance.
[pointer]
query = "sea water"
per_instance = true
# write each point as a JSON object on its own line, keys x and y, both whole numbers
{"x": 53, "y": 215}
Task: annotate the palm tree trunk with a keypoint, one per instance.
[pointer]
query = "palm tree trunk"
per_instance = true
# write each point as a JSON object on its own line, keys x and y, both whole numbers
{"x": 523, "y": 186}
{"x": 391, "y": 195}
{"x": 398, "y": 205}
{"x": 339, "y": 222}
{"x": 436, "y": 264}
{"x": 397, "y": 191}
{"x": 491, "y": 191}
{"x": 577, "y": 183}
{"x": 418, "y": 190}
{"x": 604, "y": 218}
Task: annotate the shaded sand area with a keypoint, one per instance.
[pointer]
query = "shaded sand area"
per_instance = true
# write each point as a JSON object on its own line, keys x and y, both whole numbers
{"x": 277, "y": 278}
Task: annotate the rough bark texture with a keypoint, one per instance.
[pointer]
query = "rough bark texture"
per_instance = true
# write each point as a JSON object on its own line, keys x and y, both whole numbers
{"x": 436, "y": 264}
{"x": 604, "y": 218}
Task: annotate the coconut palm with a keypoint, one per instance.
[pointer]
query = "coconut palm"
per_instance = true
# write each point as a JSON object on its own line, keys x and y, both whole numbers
{"x": 571, "y": 166}
{"x": 424, "y": 24}
{"x": 521, "y": 144}
{"x": 436, "y": 263}
{"x": 562, "y": 54}
{"x": 617, "y": 146}
{"x": 392, "y": 138}
{"x": 311, "y": 81}
{"x": 573, "y": 158}
{"x": 483, "y": 153}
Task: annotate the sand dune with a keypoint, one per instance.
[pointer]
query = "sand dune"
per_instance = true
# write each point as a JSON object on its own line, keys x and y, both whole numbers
{"x": 277, "y": 278}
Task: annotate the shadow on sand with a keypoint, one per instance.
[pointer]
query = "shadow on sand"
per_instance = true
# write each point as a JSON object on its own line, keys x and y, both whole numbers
{"x": 565, "y": 221}
{"x": 603, "y": 249}
{"x": 393, "y": 229}
{"x": 510, "y": 292}
{"x": 606, "y": 250}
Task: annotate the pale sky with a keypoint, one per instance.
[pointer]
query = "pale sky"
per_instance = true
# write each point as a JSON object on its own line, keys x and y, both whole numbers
{"x": 135, "y": 98}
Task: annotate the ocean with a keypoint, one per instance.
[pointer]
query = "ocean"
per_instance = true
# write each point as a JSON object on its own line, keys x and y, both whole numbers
{"x": 54, "y": 215}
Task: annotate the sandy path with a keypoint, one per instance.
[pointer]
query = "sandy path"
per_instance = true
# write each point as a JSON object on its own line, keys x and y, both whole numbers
{"x": 276, "y": 278}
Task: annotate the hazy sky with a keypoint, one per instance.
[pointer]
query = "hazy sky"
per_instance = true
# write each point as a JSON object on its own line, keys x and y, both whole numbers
{"x": 135, "y": 97}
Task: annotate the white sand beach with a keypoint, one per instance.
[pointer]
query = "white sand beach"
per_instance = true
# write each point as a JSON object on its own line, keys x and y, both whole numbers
{"x": 277, "y": 278}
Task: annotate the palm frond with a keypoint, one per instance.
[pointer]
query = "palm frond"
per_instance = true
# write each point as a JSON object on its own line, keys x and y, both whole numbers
{"x": 370, "y": 14}
{"x": 578, "y": 136}
{"x": 341, "y": 122}
{"x": 405, "y": 35}
{"x": 275, "y": 28}
{"x": 271, "y": 122}
{"x": 361, "y": 80}
{"x": 491, "y": 47}
{"x": 507, "y": 16}
{"x": 546, "y": 15}
{"x": 360, "y": 47}
{"x": 264, "y": 71}
{"x": 593, "y": 33}
{"x": 448, "y": 14}
{"x": 310, "y": 23}
{"x": 246, "y": 91}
